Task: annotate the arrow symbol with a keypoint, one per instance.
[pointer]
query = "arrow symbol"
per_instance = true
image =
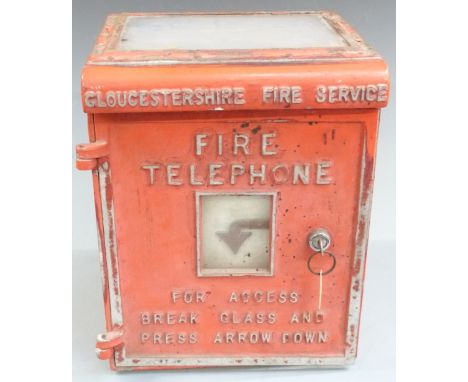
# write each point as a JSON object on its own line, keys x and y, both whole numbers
{"x": 234, "y": 237}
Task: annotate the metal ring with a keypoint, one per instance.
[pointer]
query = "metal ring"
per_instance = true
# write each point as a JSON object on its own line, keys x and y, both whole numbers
{"x": 323, "y": 273}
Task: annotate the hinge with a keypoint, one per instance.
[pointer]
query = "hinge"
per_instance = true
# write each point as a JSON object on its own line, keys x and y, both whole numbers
{"x": 107, "y": 343}
{"x": 87, "y": 154}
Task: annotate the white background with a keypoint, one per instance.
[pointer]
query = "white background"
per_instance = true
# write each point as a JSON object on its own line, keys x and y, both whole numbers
{"x": 375, "y": 21}
{"x": 35, "y": 162}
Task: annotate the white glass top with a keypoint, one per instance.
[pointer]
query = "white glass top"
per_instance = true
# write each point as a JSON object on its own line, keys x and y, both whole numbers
{"x": 228, "y": 32}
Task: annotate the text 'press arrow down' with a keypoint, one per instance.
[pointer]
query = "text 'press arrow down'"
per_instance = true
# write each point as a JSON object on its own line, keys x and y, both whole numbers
{"x": 234, "y": 237}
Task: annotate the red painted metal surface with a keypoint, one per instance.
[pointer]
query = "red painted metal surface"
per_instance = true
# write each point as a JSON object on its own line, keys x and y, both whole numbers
{"x": 162, "y": 311}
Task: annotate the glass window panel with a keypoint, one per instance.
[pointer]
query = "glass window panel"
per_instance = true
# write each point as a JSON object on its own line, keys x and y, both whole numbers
{"x": 235, "y": 234}
{"x": 221, "y": 32}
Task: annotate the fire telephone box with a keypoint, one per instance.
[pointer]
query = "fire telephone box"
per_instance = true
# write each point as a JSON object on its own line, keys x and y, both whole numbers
{"x": 232, "y": 157}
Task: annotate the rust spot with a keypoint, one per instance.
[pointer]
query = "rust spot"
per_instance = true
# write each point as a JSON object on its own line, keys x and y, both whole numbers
{"x": 120, "y": 355}
{"x": 357, "y": 266}
{"x": 256, "y": 130}
{"x": 244, "y": 125}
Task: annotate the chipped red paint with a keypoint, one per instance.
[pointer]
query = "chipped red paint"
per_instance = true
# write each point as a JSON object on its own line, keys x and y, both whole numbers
{"x": 130, "y": 214}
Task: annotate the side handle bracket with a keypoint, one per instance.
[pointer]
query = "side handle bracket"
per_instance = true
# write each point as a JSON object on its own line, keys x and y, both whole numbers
{"x": 107, "y": 343}
{"x": 87, "y": 154}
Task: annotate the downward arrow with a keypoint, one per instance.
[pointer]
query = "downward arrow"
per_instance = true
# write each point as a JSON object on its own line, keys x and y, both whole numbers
{"x": 234, "y": 237}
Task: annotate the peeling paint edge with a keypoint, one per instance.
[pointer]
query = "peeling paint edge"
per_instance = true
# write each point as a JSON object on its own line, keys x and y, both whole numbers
{"x": 140, "y": 362}
{"x": 355, "y": 296}
{"x": 111, "y": 255}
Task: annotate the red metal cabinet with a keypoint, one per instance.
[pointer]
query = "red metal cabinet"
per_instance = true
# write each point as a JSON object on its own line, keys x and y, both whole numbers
{"x": 233, "y": 186}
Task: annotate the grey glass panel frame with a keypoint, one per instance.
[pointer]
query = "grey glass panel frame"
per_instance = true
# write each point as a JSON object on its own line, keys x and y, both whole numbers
{"x": 223, "y": 267}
